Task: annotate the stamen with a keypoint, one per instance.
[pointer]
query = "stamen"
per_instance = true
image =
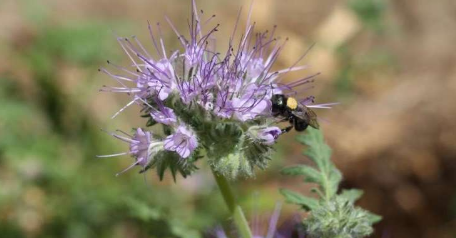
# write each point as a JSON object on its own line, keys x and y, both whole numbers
{"x": 141, "y": 46}
{"x": 125, "y": 139}
{"x": 175, "y": 31}
{"x": 308, "y": 79}
{"x": 112, "y": 155}
{"x": 161, "y": 40}
{"x": 153, "y": 39}
{"x": 128, "y": 168}
{"x": 122, "y": 68}
{"x": 128, "y": 54}
{"x": 123, "y": 108}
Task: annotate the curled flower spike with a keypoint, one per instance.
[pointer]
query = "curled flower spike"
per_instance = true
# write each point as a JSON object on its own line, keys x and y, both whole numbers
{"x": 219, "y": 102}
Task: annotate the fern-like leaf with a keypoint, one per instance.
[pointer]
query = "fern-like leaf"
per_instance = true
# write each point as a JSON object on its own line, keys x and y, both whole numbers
{"x": 333, "y": 214}
{"x": 307, "y": 203}
{"x": 326, "y": 175}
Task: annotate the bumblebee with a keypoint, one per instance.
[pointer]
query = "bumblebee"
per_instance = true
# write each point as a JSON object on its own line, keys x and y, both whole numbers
{"x": 288, "y": 109}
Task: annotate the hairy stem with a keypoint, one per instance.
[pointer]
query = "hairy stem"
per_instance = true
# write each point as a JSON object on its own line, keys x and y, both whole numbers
{"x": 235, "y": 210}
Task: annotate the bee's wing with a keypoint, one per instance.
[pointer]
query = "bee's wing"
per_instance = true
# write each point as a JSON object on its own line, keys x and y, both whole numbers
{"x": 300, "y": 113}
{"x": 313, "y": 122}
{"x": 307, "y": 115}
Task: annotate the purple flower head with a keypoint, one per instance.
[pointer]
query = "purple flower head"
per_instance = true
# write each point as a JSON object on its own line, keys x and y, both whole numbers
{"x": 236, "y": 86}
{"x": 183, "y": 141}
{"x": 218, "y": 93}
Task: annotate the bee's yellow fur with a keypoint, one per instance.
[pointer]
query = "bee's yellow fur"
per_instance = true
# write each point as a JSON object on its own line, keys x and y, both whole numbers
{"x": 292, "y": 103}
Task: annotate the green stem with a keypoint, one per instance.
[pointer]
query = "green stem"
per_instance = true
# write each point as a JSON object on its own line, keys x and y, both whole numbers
{"x": 235, "y": 210}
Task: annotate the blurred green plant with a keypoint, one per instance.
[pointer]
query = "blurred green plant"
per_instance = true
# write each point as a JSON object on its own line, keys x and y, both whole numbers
{"x": 73, "y": 196}
{"x": 51, "y": 185}
{"x": 81, "y": 43}
{"x": 359, "y": 66}
{"x": 331, "y": 214}
{"x": 370, "y": 12}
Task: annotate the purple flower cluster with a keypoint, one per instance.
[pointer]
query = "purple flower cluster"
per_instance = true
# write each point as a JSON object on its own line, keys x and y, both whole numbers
{"x": 197, "y": 94}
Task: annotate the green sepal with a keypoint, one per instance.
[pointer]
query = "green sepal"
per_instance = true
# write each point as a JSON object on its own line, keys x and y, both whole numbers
{"x": 150, "y": 122}
{"x": 171, "y": 160}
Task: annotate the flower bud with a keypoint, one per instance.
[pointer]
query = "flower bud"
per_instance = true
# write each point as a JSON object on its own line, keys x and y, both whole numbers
{"x": 263, "y": 134}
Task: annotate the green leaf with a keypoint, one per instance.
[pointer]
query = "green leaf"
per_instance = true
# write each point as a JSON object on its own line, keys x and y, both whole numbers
{"x": 351, "y": 195}
{"x": 332, "y": 215}
{"x": 334, "y": 177}
{"x": 373, "y": 218}
{"x": 306, "y": 202}
{"x": 318, "y": 151}
{"x": 311, "y": 174}
{"x": 370, "y": 13}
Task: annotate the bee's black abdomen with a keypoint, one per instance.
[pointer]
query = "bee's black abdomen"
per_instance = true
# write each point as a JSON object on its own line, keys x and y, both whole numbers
{"x": 300, "y": 125}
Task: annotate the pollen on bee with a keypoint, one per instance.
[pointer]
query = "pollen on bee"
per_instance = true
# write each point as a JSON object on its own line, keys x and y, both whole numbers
{"x": 292, "y": 103}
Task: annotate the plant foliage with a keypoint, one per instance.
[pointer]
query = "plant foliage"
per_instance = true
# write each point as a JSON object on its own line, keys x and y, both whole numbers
{"x": 331, "y": 213}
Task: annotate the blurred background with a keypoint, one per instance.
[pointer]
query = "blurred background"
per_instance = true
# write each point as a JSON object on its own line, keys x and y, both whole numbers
{"x": 391, "y": 65}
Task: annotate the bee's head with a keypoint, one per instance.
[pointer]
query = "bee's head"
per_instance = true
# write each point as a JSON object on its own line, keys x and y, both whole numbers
{"x": 279, "y": 100}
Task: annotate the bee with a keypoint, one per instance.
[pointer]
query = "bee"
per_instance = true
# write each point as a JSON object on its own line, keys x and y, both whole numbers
{"x": 299, "y": 116}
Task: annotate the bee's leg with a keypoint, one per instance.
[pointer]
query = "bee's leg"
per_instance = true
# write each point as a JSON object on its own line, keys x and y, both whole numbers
{"x": 287, "y": 129}
{"x": 281, "y": 120}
